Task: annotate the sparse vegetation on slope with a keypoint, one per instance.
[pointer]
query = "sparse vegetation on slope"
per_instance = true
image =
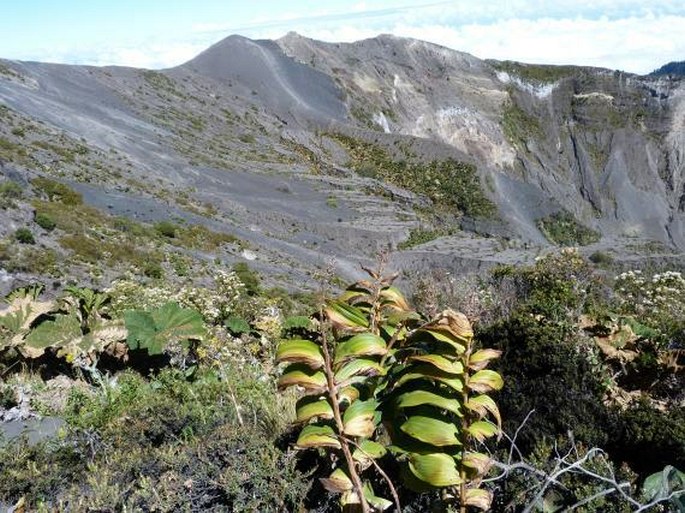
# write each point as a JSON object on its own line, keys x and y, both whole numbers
{"x": 562, "y": 229}
{"x": 450, "y": 184}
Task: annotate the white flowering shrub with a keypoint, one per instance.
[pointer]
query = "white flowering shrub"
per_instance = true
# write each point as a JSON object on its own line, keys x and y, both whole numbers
{"x": 657, "y": 300}
{"x": 214, "y": 304}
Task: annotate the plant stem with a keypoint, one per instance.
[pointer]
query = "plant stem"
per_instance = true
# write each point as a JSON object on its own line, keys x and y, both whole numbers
{"x": 344, "y": 444}
{"x": 464, "y": 428}
{"x": 385, "y": 476}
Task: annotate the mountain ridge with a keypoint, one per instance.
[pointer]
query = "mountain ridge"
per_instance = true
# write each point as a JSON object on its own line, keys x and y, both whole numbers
{"x": 280, "y": 131}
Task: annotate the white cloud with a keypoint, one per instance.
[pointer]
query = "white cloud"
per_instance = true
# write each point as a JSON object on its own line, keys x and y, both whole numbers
{"x": 632, "y": 35}
{"x": 635, "y": 44}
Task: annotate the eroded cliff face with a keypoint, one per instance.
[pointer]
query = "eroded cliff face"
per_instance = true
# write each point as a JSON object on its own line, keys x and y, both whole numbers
{"x": 603, "y": 145}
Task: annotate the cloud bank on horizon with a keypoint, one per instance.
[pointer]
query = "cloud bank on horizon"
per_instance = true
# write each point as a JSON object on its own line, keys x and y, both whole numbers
{"x": 630, "y": 35}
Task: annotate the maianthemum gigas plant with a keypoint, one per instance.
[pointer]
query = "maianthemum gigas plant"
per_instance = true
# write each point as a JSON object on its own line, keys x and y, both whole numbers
{"x": 380, "y": 378}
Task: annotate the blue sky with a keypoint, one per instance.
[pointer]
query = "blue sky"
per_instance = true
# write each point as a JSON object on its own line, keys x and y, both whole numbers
{"x": 631, "y": 35}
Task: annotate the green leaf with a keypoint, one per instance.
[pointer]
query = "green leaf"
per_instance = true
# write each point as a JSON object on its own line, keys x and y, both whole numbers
{"x": 436, "y": 469}
{"x": 368, "y": 449}
{"x": 317, "y": 436}
{"x": 485, "y": 381}
{"x": 300, "y": 351}
{"x": 363, "y": 344}
{"x": 237, "y": 325}
{"x": 359, "y": 367}
{"x": 420, "y": 397}
{"x": 346, "y": 317}
{"x": 483, "y": 404}
{"x": 156, "y": 329}
{"x": 378, "y": 503}
{"x": 302, "y": 375}
{"x": 297, "y": 322}
{"x": 662, "y": 484}
{"x": 448, "y": 338}
{"x": 309, "y": 407}
{"x": 425, "y": 371}
{"x": 60, "y": 332}
{"x": 442, "y": 363}
{"x": 337, "y": 482}
{"x": 358, "y": 418}
{"x": 482, "y": 429}
{"x": 432, "y": 431}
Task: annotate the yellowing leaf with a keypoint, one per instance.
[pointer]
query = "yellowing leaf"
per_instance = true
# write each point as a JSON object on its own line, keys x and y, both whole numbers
{"x": 478, "y": 498}
{"x": 436, "y": 469}
{"x": 363, "y": 344}
{"x": 482, "y": 429}
{"x": 310, "y": 407}
{"x": 442, "y": 363}
{"x": 368, "y": 449}
{"x": 317, "y": 436}
{"x": 480, "y": 462}
{"x": 432, "y": 431}
{"x": 346, "y": 317}
{"x": 347, "y": 395}
{"x": 480, "y": 359}
{"x": 338, "y": 482}
{"x": 393, "y": 297}
{"x": 431, "y": 373}
{"x": 358, "y": 418}
{"x": 300, "y": 351}
{"x": 359, "y": 367}
{"x": 448, "y": 338}
{"x": 302, "y": 375}
{"x": 485, "y": 381}
{"x": 451, "y": 327}
{"x": 420, "y": 397}
{"x": 483, "y": 404}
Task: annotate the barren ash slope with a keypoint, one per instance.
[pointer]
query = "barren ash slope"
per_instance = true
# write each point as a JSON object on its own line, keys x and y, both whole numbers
{"x": 301, "y": 152}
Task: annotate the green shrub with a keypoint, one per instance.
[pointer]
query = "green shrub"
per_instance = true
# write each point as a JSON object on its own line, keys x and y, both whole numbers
{"x": 168, "y": 444}
{"x": 166, "y": 229}
{"x": 545, "y": 372}
{"x": 45, "y": 221}
{"x": 153, "y": 270}
{"x": 601, "y": 258}
{"x": 56, "y": 191}
{"x": 249, "y": 277}
{"x": 648, "y": 438}
{"x": 24, "y": 236}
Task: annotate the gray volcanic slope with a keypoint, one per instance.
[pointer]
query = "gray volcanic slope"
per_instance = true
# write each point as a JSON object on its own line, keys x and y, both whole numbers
{"x": 284, "y": 86}
{"x": 300, "y": 148}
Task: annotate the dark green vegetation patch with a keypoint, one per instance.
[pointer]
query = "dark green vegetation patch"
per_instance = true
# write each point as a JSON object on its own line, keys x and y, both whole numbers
{"x": 450, "y": 184}
{"x": 562, "y": 229}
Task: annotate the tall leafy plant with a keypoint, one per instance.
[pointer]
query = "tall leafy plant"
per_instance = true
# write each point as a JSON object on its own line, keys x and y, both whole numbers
{"x": 373, "y": 365}
{"x": 439, "y": 409}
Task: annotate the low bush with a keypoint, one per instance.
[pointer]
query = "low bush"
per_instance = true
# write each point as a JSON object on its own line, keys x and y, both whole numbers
{"x": 45, "y": 221}
{"x": 166, "y": 229}
{"x": 24, "y": 236}
{"x": 167, "y": 444}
